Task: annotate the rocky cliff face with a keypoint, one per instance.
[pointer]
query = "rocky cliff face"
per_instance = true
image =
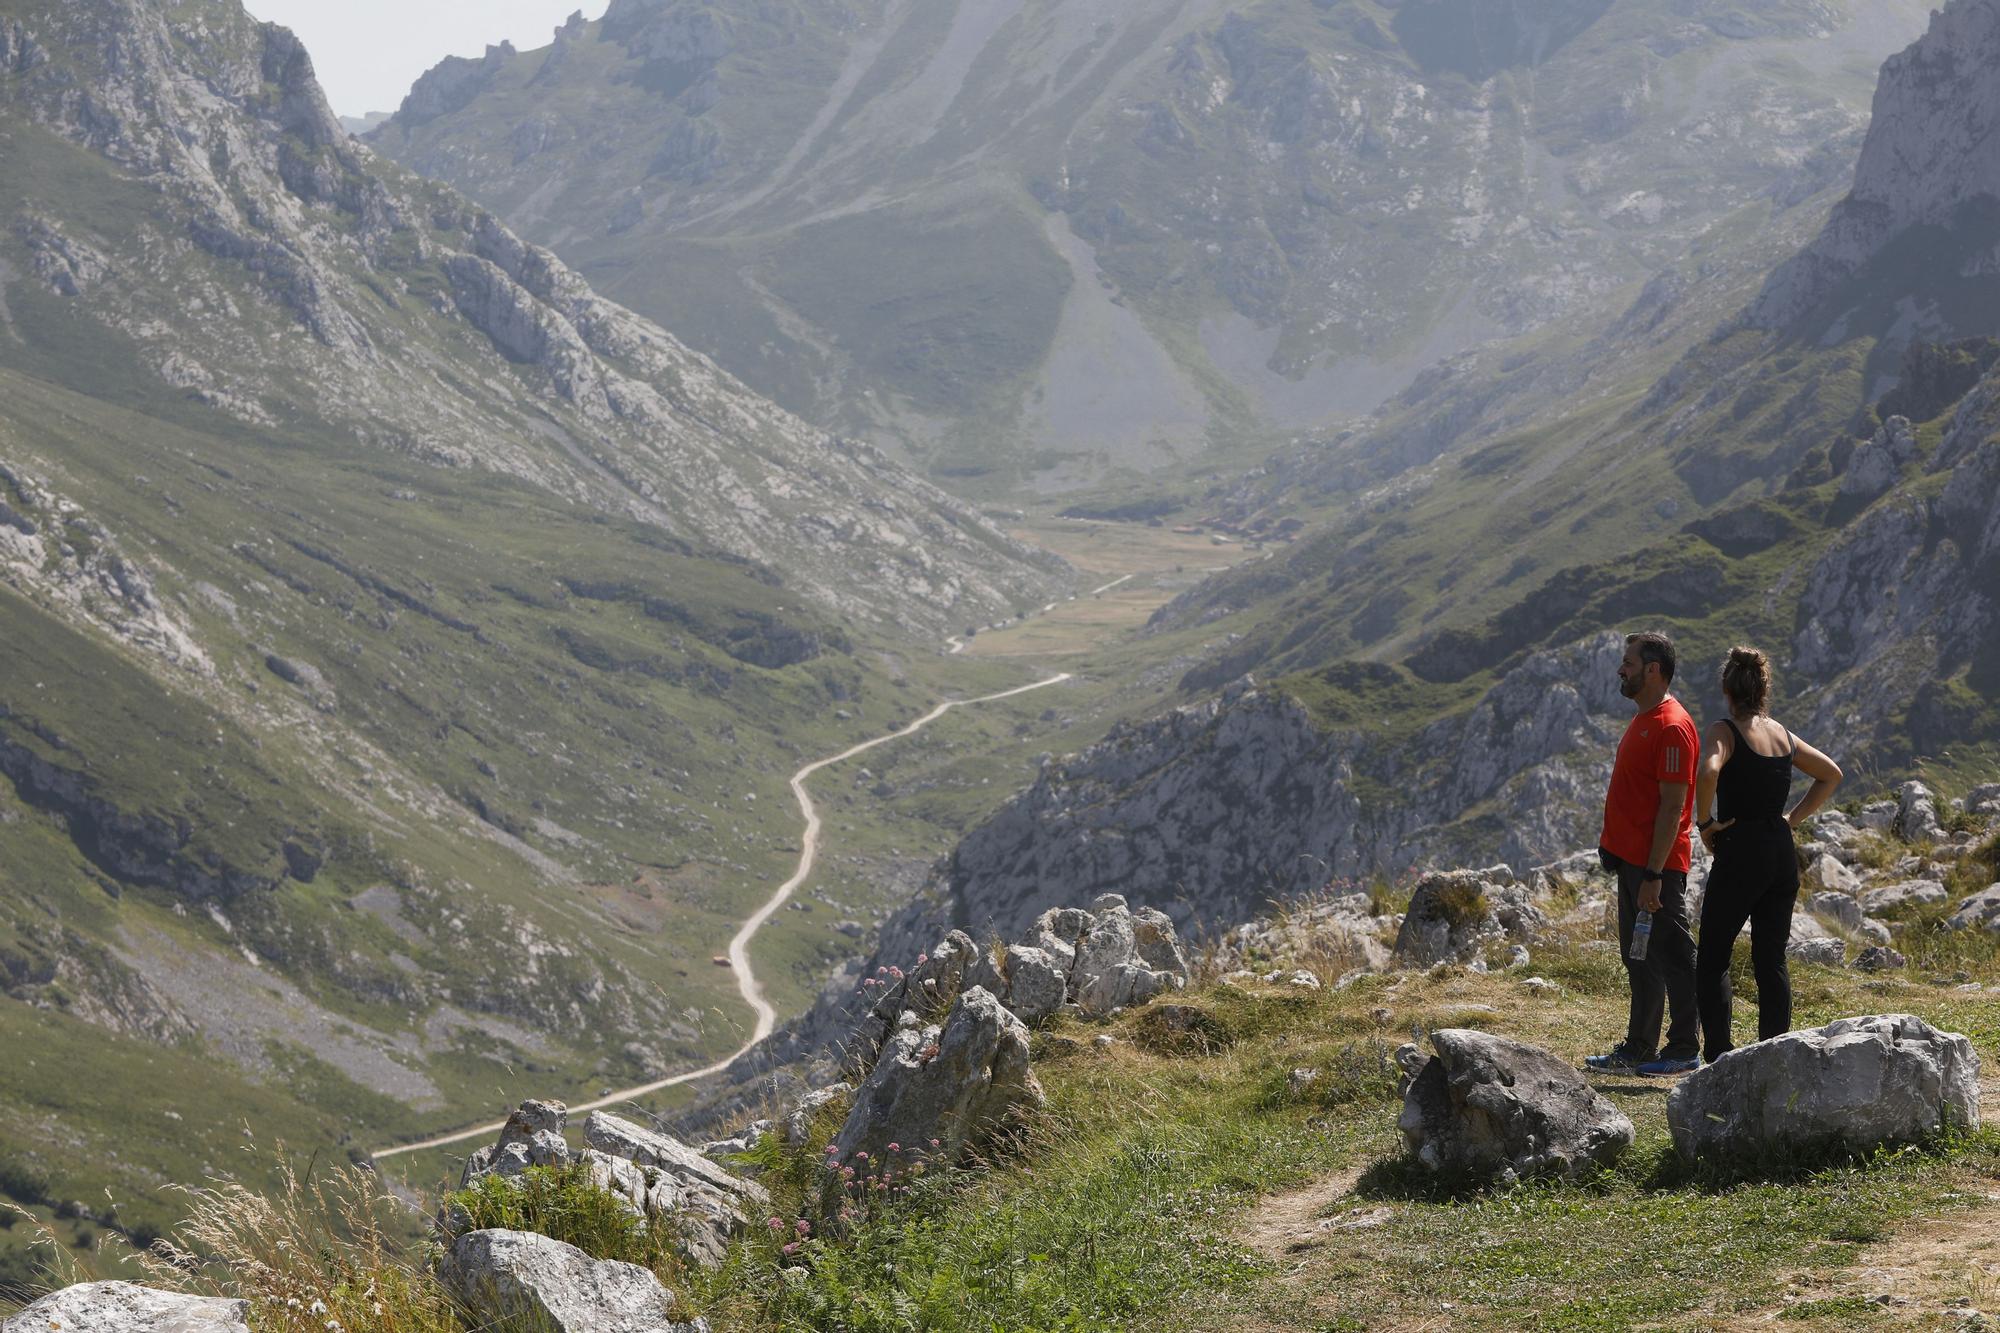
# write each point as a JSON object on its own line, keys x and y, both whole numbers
{"x": 406, "y": 294}
{"x": 1217, "y": 809}
{"x": 1931, "y": 159}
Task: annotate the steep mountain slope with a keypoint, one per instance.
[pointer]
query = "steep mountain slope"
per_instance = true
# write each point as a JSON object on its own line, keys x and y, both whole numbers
{"x": 1440, "y": 655}
{"x": 403, "y": 649}
{"x": 1045, "y": 243}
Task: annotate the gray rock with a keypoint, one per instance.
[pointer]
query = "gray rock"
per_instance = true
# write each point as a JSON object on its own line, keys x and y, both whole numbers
{"x": 1878, "y": 816}
{"x": 1844, "y": 908}
{"x": 646, "y": 1192}
{"x": 1898, "y": 897}
{"x": 715, "y": 1204}
{"x": 1877, "y": 464}
{"x": 1983, "y": 799}
{"x": 1831, "y": 874}
{"x": 1875, "y": 932}
{"x": 1856, "y": 1083}
{"x": 1980, "y": 911}
{"x": 1057, "y": 932}
{"x": 1494, "y": 1108}
{"x": 952, "y": 1083}
{"x": 1827, "y": 951}
{"x": 1027, "y": 980}
{"x": 1880, "y": 958}
{"x": 124, "y": 1307}
{"x": 520, "y": 1275}
{"x": 1125, "y": 958}
{"x": 796, "y": 1127}
{"x": 1916, "y": 814}
{"x": 742, "y": 1141}
{"x": 1454, "y": 915}
{"x": 532, "y": 1136}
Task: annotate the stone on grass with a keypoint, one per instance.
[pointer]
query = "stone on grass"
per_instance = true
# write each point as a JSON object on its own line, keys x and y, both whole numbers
{"x": 1827, "y": 951}
{"x": 125, "y": 1307}
{"x": 1834, "y": 876}
{"x": 953, "y": 1082}
{"x": 1854, "y": 1084}
{"x": 1491, "y": 1108}
{"x": 1879, "y": 958}
{"x": 521, "y": 1275}
{"x": 714, "y": 1204}
{"x": 1844, "y": 908}
{"x": 532, "y": 1136}
{"x": 1983, "y": 799}
{"x": 1875, "y": 932}
{"x": 1906, "y": 894}
{"x": 1454, "y": 915}
{"x": 1981, "y": 911}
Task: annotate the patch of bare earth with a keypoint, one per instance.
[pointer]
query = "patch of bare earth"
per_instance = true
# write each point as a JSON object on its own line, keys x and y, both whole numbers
{"x": 1284, "y": 1226}
{"x": 1934, "y": 1272}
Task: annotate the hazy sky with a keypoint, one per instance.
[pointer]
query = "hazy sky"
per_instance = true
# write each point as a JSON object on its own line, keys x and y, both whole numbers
{"x": 369, "y": 52}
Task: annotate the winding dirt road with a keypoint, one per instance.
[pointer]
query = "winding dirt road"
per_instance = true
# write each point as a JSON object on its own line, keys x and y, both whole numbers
{"x": 739, "y": 947}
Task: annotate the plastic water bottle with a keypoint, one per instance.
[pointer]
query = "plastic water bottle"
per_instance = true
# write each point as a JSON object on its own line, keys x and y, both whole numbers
{"x": 1642, "y": 936}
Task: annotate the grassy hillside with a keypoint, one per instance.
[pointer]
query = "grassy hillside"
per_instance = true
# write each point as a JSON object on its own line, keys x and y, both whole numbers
{"x": 1243, "y": 1169}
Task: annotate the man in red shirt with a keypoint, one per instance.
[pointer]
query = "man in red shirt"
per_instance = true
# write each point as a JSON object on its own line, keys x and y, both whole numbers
{"x": 1648, "y": 813}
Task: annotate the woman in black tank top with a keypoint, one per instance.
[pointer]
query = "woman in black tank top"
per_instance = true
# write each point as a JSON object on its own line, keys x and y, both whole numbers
{"x": 1741, "y": 788}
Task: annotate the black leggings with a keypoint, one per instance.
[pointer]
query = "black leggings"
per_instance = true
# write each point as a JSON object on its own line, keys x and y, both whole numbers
{"x": 1755, "y": 879}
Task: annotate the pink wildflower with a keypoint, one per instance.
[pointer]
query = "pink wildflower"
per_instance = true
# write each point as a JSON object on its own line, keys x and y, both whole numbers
{"x": 776, "y": 1224}
{"x": 895, "y": 1147}
{"x": 802, "y": 1226}
{"x": 896, "y": 972}
{"x": 789, "y": 1247}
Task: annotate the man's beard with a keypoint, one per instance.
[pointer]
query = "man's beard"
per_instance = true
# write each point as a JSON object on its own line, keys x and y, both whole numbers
{"x": 1628, "y": 687}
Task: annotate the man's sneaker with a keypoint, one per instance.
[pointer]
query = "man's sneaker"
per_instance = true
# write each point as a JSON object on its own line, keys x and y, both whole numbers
{"x": 1670, "y": 1065}
{"x": 1618, "y": 1060}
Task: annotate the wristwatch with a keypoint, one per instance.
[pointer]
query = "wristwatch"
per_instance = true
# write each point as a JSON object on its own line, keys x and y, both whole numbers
{"x": 1651, "y": 874}
{"x": 1702, "y": 827}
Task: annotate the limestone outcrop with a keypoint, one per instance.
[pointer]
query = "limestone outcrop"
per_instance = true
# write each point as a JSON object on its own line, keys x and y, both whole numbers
{"x": 1455, "y": 915}
{"x": 941, "y": 1088}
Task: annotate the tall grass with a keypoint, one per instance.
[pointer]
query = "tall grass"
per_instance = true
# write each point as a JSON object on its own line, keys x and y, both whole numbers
{"x": 325, "y": 1254}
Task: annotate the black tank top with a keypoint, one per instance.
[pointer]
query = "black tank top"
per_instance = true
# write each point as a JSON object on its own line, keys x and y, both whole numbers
{"x": 1753, "y": 786}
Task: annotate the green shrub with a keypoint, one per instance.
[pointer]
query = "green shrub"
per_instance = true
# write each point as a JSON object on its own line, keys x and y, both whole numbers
{"x": 562, "y": 1202}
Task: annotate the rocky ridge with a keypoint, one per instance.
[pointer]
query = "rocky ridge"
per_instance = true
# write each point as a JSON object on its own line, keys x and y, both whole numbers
{"x": 272, "y": 221}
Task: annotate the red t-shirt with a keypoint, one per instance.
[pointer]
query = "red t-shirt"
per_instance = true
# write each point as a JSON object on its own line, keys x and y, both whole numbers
{"x": 1660, "y": 746}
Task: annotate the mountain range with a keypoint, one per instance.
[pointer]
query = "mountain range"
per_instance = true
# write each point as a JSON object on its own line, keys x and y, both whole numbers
{"x": 1044, "y": 246}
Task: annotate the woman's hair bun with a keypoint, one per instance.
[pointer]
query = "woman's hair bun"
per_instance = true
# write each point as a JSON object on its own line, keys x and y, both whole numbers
{"x": 1746, "y": 679}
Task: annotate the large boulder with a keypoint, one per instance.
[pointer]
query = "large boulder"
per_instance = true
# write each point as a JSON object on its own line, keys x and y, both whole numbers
{"x": 124, "y": 1307}
{"x": 950, "y": 1083}
{"x": 1855, "y": 1083}
{"x": 712, "y": 1204}
{"x": 1981, "y": 911}
{"x": 554, "y": 1286}
{"x": 1833, "y": 875}
{"x": 1456, "y": 914}
{"x": 1492, "y": 1108}
{"x": 532, "y": 1136}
